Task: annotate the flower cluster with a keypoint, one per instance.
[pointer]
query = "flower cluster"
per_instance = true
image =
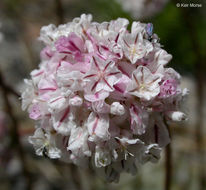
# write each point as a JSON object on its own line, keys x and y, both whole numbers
{"x": 102, "y": 94}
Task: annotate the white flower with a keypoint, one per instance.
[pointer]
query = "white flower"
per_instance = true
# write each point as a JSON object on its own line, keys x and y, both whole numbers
{"x": 98, "y": 125}
{"x": 44, "y": 144}
{"x": 117, "y": 109}
{"x": 102, "y": 157}
{"x": 135, "y": 47}
{"x": 78, "y": 144}
{"x": 144, "y": 85}
{"x": 176, "y": 116}
{"x": 49, "y": 34}
{"x": 102, "y": 76}
{"x": 139, "y": 119}
{"x": 58, "y": 103}
{"x": 68, "y": 77}
{"x": 29, "y": 94}
{"x": 63, "y": 121}
{"x": 100, "y": 106}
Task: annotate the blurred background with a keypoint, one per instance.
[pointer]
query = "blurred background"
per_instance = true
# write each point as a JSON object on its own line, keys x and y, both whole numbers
{"x": 182, "y": 31}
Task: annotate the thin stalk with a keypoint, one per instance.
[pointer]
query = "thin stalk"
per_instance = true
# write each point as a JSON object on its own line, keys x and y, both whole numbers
{"x": 59, "y": 11}
{"x": 168, "y": 167}
{"x": 10, "y": 90}
{"x": 168, "y": 162}
{"x": 15, "y": 138}
{"x": 75, "y": 177}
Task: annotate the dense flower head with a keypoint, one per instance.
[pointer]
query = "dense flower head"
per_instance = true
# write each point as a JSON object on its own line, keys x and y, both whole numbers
{"x": 102, "y": 95}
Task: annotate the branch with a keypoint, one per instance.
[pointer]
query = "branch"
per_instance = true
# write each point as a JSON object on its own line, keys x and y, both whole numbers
{"x": 15, "y": 138}
{"x": 10, "y": 90}
{"x": 168, "y": 167}
{"x": 59, "y": 11}
{"x": 168, "y": 162}
{"x": 7, "y": 88}
{"x": 75, "y": 177}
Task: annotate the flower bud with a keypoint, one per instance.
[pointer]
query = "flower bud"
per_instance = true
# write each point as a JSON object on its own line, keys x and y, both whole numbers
{"x": 176, "y": 116}
{"x": 76, "y": 101}
{"x": 117, "y": 109}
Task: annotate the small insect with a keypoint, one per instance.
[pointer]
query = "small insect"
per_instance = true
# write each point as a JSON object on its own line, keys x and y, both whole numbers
{"x": 149, "y": 29}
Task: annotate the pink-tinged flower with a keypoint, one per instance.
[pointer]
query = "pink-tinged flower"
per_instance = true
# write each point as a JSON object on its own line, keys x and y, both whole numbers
{"x": 78, "y": 142}
{"x": 71, "y": 76}
{"x": 37, "y": 75}
{"x": 46, "y": 53}
{"x": 138, "y": 27}
{"x": 102, "y": 95}
{"x": 162, "y": 57}
{"x": 98, "y": 96}
{"x": 76, "y": 101}
{"x": 100, "y": 106}
{"x": 107, "y": 33}
{"x": 106, "y": 38}
{"x": 98, "y": 125}
{"x": 168, "y": 88}
{"x": 82, "y": 25}
{"x": 135, "y": 47}
{"x": 103, "y": 30}
{"x": 72, "y": 45}
{"x": 126, "y": 69}
{"x": 138, "y": 120}
{"x": 35, "y": 112}
{"x": 58, "y": 103}
{"x": 144, "y": 85}
{"x": 63, "y": 121}
{"x": 47, "y": 84}
{"x": 102, "y": 76}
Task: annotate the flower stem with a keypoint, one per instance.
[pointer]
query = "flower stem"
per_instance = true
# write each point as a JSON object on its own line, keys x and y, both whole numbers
{"x": 15, "y": 138}
{"x": 168, "y": 161}
{"x": 168, "y": 167}
{"x": 59, "y": 11}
